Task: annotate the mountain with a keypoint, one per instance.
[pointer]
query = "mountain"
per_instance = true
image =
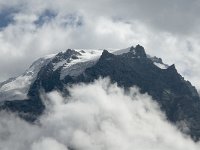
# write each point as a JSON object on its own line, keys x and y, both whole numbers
{"x": 128, "y": 67}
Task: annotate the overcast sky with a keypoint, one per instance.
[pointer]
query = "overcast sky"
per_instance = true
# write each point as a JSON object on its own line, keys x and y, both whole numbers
{"x": 31, "y": 29}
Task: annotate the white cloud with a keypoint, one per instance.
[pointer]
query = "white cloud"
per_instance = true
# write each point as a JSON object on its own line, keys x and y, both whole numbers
{"x": 164, "y": 28}
{"x": 48, "y": 144}
{"x": 96, "y": 116}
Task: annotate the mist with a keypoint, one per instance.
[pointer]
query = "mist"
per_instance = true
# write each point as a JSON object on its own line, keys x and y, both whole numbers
{"x": 96, "y": 116}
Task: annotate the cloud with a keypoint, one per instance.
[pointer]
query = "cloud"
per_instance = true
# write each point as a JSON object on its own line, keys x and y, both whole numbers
{"x": 168, "y": 29}
{"x": 173, "y": 16}
{"x": 108, "y": 118}
{"x": 48, "y": 144}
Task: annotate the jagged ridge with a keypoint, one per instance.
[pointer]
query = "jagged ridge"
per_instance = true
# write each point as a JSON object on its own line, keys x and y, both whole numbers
{"x": 177, "y": 97}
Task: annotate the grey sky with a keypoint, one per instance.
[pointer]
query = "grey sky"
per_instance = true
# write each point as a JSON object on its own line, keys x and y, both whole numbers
{"x": 31, "y": 29}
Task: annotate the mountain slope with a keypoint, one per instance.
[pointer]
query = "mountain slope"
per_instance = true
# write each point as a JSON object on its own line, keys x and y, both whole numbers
{"x": 129, "y": 67}
{"x": 17, "y": 88}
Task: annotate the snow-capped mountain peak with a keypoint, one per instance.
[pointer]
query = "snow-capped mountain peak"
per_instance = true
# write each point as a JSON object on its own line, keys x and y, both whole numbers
{"x": 70, "y": 62}
{"x": 127, "y": 67}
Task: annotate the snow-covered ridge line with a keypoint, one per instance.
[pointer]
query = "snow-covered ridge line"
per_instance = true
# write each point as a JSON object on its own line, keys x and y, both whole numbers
{"x": 17, "y": 88}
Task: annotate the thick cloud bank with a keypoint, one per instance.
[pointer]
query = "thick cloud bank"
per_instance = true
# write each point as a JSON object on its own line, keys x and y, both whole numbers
{"x": 31, "y": 29}
{"x": 97, "y": 116}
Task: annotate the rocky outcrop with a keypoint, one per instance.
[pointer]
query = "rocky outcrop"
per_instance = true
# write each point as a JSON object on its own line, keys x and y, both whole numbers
{"x": 176, "y": 97}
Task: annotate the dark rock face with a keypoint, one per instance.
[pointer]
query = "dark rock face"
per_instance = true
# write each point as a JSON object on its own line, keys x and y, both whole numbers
{"x": 177, "y": 97}
{"x": 29, "y": 109}
{"x": 138, "y": 51}
{"x": 48, "y": 79}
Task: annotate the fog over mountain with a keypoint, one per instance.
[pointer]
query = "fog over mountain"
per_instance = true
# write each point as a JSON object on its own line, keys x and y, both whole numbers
{"x": 108, "y": 118}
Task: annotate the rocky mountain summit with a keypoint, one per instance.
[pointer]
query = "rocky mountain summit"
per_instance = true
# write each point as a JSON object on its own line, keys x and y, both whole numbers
{"x": 129, "y": 67}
